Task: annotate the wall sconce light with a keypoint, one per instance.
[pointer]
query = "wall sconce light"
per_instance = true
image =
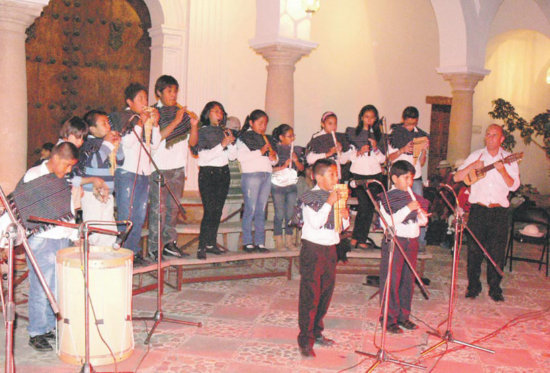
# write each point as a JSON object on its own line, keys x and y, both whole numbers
{"x": 548, "y": 76}
{"x": 311, "y": 6}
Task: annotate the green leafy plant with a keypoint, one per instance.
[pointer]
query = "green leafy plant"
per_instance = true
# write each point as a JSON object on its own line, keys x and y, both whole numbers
{"x": 538, "y": 126}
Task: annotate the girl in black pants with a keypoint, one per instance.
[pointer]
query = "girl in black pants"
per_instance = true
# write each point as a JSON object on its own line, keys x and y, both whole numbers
{"x": 365, "y": 164}
{"x": 215, "y": 148}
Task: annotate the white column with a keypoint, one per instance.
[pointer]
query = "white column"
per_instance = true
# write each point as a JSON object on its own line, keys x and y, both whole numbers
{"x": 168, "y": 57}
{"x": 460, "y": 127}
{"x": 281, "y": 58}
{"x": 15, "y": 17}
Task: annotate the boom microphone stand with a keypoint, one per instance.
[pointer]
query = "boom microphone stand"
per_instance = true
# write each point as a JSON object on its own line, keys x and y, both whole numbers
{"x": 158, "y": 317}
{"x": 16, "y": 233}
{"x": 459, "y": 228}
{"x": 382, "y": 355}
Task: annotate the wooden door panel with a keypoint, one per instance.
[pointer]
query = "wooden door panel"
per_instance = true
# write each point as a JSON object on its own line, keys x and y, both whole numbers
{"x": 81, "y": 54}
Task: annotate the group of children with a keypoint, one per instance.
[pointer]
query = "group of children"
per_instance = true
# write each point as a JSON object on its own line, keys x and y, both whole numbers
{"x": 114, "y": 157}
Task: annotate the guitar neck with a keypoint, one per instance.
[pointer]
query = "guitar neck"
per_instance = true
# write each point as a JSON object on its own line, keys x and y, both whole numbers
{"x": 509, "y": 159}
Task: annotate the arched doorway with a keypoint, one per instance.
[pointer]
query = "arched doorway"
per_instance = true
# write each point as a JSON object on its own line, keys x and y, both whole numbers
{"x": 81, "y": 55}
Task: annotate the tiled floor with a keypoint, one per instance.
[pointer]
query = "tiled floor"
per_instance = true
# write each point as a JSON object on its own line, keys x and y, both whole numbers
{"x": 251, "y": 326}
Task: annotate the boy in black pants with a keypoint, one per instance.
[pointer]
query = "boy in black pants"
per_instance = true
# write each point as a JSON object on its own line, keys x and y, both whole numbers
{"x": 408, "y": 215}
{"x": 318, "y": 255}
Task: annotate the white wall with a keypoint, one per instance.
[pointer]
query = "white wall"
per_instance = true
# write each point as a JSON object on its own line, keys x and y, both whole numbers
{"x": 369, "y": 52}
{"x": 518, "y": 59}
{"x": 222, "y": 66}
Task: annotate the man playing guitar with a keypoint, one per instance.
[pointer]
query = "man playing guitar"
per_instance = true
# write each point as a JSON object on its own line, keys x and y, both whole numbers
{"x": 488, "y": 214}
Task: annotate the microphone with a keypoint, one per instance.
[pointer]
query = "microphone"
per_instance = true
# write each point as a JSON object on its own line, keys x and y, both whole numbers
{"x": 122, "y": 236}
{"x": 356, "y": 183}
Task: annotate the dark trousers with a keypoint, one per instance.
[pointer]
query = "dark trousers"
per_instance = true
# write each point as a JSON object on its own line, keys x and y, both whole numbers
{"x": 318, "y": 274}
{"x": 213, "y": 186}
{"x": 490, "y": 227}
{"x": 402, "y": 279}
{"x": 365, "y": 210}
{"x": 164, "y": 207}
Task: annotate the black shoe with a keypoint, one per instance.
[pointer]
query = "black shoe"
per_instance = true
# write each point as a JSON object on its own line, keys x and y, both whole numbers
{"x": 262, "y": 249}
{"x": 153, "y": 255}
{"x": 172, "y": 249}
{"x": 50, "y": 335}
{"x": 408, "y": 324}
{"x": 472, "y": 293}
{"x": 139, "y": 261}
{"x": 497, "y": 297}
{"x": 249, "y": 248}
{"x": 201, "y": 253}
{"x": 213, "y": 250}
{"x": 40, "y": 343}
{"x": 394, "y": 329}
{"x": 323, "y": 341}
{"x": 307, "y": 351}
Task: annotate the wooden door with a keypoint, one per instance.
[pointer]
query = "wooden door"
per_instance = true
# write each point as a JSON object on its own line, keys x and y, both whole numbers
{"x": 439, "y": 130}
{"x": 81, "y": 54}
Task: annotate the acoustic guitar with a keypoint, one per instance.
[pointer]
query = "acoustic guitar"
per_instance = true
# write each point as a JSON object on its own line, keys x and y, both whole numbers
{"x": 474, "y": 175}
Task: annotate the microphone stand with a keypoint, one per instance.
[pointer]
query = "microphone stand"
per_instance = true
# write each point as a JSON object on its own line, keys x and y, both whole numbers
{"x": 382, "y": 355}
{"x": 387, "y": 153}
{"x": 158, "y": 317}
{"x": 447, "y": 336}
{"x": 15, "y": 233}
{"x": 85, "y": 231}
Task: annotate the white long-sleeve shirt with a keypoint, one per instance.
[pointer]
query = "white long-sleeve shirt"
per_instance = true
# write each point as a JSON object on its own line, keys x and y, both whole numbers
{"x": 135, "y": 158}
{"x": 411, "y": 229}
{"x": 367, "y": 164}
{"x": 314, "y": 222}
{"x": 217, "y": 156}
{"x": 492, "y": 188}
{"x": 253, "y": 160}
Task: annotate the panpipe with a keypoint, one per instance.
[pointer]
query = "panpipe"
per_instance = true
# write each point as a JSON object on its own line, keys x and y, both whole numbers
{"x": 400, "y": 136}
{"x": 112, "y": 155}
{"x": 340, "y": 205}
{"x": 148, "y": 125}
{"x": 47, "y": 196}
{"x": 418, "y": 146}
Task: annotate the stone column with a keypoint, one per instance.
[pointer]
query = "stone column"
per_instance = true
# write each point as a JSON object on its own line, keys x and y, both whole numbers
{"x": 460, "y": 127}
{"x": 15, "y": 17}
{"x": 168, "y": 56}
{"x": 279, "y": 96}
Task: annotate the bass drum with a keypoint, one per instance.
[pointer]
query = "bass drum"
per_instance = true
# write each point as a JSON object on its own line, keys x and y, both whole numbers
{"x": 110, "y": 282}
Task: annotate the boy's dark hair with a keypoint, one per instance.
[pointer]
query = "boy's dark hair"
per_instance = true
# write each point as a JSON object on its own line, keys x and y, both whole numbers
{"x": 165, "y": 81}
{"x": 48, "y": 146}
{"x": 65, "y": 150}
{"x": 74, "y": 126}
{"x": 401, "y": 168}
{"x": 132, "y": 90}
{"x": 91, "y": 117}
{"x": 321, "y": 165}
{"x": 410, "y": 112}
{"x": 205, "y": 114}
{"x": 280, "y": 130}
